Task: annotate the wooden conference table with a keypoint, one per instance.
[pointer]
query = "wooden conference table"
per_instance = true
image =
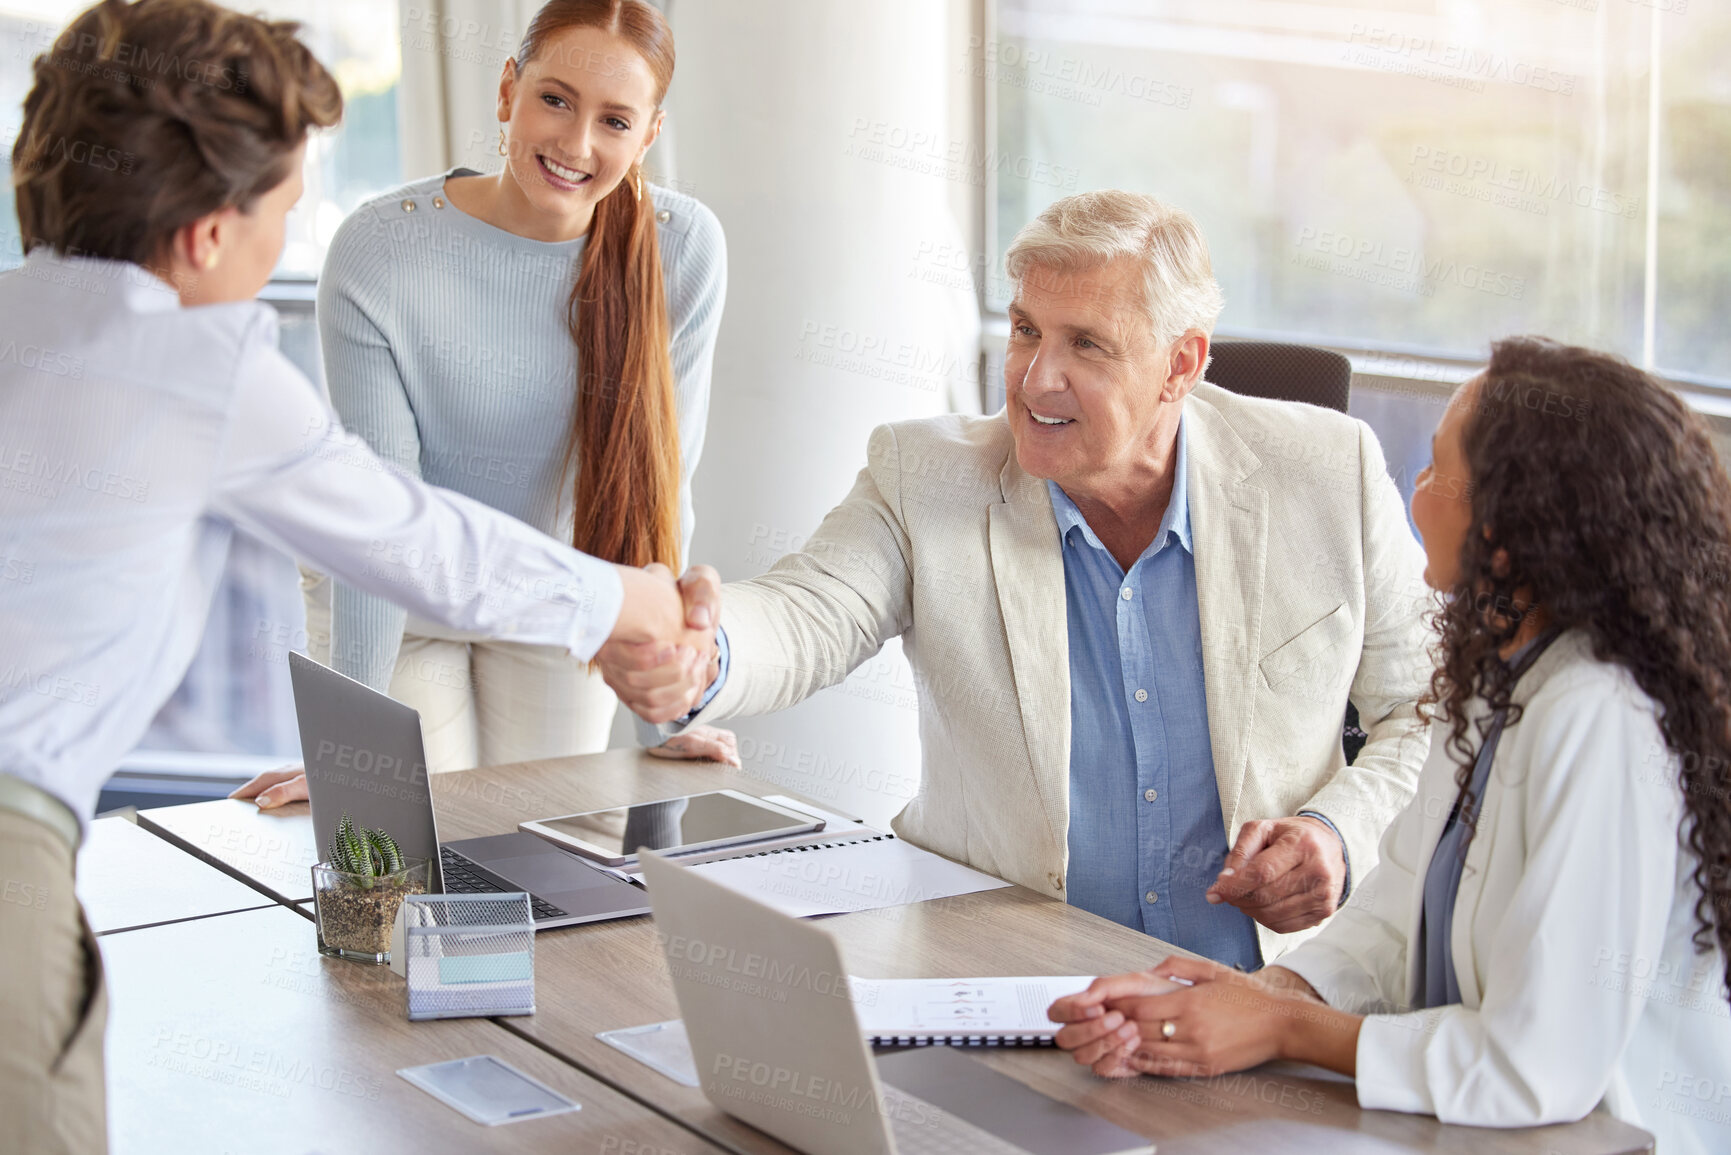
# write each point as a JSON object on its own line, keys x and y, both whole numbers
{"x": 227, "y": 1031}
{"x": 611, "y": 975}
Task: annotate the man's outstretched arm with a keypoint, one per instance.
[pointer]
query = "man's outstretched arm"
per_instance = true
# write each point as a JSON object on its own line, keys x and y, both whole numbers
{"x": 805, "y": 624}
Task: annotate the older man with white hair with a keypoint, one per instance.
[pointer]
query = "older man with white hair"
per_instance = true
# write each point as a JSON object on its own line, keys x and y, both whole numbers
{"x": 1136, "y": 606}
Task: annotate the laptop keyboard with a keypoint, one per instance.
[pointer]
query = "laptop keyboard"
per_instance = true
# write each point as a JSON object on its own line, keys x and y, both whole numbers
{"x": 922, "y": 1129}
{"x": 464, "y": 877}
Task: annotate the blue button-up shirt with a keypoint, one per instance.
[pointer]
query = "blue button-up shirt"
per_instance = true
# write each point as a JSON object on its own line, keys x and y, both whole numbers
{"x": 1147, "y": 833}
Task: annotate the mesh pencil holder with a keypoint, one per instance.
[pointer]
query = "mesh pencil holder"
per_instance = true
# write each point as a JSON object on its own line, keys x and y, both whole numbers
{"x": 469, "y": 955}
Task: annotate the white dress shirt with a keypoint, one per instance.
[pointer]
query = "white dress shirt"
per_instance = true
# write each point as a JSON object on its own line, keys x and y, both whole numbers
{"x": 1572, "y": 935}
{"x": 135, "y": 437}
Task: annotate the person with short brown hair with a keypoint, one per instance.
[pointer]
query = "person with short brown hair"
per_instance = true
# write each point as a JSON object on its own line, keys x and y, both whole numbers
{"x": 148, "y": 415}
{"x": 182, "y": 108}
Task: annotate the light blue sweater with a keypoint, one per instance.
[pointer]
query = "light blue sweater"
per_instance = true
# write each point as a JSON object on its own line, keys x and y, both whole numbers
{"x": 446, "y": 348}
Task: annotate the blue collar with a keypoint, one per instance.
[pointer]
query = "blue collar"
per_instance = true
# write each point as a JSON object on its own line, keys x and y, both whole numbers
{"x": 1174, "y": 525}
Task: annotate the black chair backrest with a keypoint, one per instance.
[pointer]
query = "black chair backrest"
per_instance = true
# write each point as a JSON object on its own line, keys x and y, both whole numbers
{"x": 1290, "y": 373}
{"x": 1282, "y": 372}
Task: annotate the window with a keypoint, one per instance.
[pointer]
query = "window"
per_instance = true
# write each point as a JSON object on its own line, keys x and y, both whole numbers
{"x": 1405, "y": 176}
{"x": 356, "y": 39}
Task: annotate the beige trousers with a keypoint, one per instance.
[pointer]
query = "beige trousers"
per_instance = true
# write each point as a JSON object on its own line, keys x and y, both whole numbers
{"x": 483, "y": 702}
{"x": 53, "y": 1003}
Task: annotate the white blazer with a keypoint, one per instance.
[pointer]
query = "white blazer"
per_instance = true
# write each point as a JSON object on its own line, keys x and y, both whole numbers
{"x": 1308, "y": 581}
{"x": 1572, "y": 932}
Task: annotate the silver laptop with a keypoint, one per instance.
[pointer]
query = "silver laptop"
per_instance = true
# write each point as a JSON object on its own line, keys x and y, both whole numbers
{"x": 777, "y": 1044}
{"x": 364, "y": 758}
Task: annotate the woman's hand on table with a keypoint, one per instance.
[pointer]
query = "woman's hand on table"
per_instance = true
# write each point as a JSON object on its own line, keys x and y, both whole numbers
{"x": 1098, "y": 1033}
{"x": 1220, "y": 1020}
{"x": 702, "y": 744}
{"x": 276, "y": 787}
{"x": 287, "y": 784}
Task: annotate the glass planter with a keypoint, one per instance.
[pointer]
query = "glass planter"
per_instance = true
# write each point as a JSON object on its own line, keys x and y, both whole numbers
{"x": 355, "y": 913}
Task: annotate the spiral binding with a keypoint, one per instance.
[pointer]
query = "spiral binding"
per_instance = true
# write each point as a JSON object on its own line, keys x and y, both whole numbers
{"x": 961, "y": 1041}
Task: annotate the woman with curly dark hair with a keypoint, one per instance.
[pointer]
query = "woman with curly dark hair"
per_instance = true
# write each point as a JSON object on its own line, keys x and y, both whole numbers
{"x": 1549, "y": 927}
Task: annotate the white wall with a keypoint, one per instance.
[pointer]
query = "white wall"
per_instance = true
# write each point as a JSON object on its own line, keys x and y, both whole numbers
{"x": 829, "y": 138}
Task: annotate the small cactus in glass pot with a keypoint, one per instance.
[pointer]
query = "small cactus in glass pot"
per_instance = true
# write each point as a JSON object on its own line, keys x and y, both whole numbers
{"x": 366, "y": 854}
{"x": 358, "y": 890}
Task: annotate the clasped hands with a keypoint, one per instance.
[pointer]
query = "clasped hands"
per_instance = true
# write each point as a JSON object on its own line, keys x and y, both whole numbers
{"x": 1192, "y": 1018}
{"x": 1196, "y": 1018}
{"x": 662, "y": 659}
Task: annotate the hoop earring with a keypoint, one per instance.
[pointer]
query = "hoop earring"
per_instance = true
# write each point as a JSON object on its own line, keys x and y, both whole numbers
{"x": 502, "y": 151}
{"x": 637, "y": 188}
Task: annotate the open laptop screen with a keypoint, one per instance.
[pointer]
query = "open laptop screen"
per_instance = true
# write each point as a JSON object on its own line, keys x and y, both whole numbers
{"x": 364, "y": 758}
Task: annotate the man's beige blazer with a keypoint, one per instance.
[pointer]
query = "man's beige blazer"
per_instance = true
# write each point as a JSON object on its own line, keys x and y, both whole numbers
{"x": 1308, "y": 580}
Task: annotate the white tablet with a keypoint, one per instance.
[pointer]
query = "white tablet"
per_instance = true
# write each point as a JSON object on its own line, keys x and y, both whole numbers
{"x": 673, "y": 826}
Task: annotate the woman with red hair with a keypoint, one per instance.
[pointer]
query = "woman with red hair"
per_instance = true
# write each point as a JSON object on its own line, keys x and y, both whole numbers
{"x": 540, "y": 339}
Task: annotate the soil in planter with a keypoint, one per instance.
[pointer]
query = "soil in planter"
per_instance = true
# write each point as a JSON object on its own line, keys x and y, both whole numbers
{"x": 357, "y": 919}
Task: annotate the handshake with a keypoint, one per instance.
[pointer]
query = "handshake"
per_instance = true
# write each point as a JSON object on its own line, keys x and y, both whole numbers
{"x": 659, "y": 659}
{"x": 662, "y": 654}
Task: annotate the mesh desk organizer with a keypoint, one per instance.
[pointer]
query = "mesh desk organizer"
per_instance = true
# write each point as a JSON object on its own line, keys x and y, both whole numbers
{"x": 469, "y": 955}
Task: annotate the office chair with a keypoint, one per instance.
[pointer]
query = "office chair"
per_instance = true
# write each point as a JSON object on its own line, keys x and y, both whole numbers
{"x": 1282, "y": 372}
{"x": 1290, "y": 373}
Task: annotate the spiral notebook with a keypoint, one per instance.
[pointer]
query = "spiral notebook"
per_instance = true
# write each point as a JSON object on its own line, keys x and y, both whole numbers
{"x": 971, "y": 1012}
{"x": 977, "y": 1012}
